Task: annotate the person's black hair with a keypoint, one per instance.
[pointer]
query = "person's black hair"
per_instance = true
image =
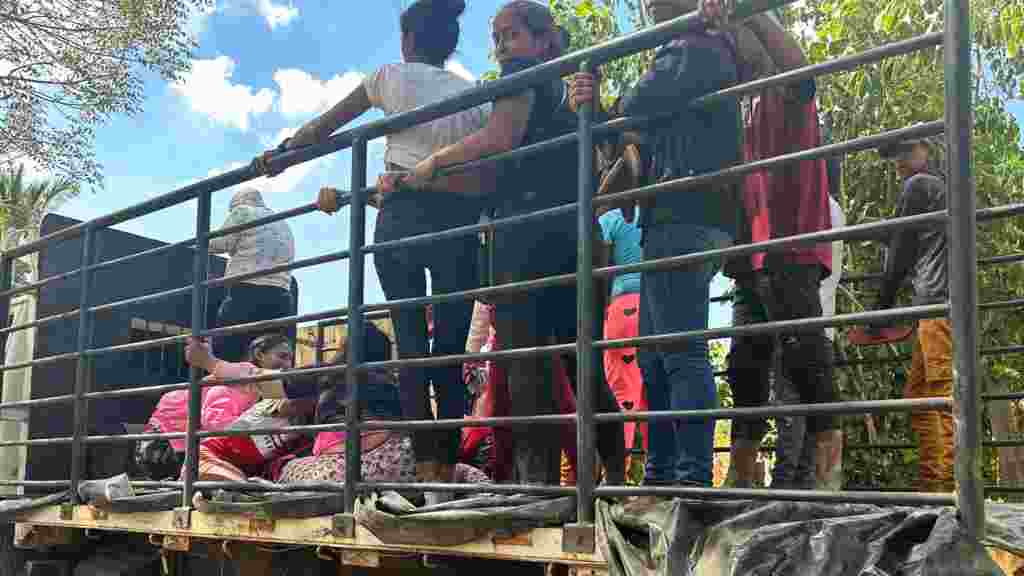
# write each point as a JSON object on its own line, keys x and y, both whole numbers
{"x": 540, "y": 21}
{"x": 264, "y": 343}
{"x": 434, "y": 25}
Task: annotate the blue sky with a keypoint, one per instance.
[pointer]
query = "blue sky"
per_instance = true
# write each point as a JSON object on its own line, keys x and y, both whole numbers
{"x": 264, "y": 67}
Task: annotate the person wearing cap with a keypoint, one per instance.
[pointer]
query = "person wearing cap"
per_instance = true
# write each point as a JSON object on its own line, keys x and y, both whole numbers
{"x": 264, "y": 297}
{"x": 922, "y": 254}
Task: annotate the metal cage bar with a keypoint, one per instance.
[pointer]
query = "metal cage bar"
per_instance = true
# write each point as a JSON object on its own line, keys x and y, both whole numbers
{"x": 963, "y": 278}
{"x": 961, "y": 218}
{"x": 354, "y": 347}
{"x": 80, "y": 404}
{"x": 586, "y": 360}
{"x": 195, "y": 397}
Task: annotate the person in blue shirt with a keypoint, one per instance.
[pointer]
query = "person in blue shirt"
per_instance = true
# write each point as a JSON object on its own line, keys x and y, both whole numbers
{"x": 622, "y": 318}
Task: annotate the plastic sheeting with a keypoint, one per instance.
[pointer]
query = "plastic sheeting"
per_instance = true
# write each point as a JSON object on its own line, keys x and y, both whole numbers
{"x": 669, "y": 537}
{"x": 702, "y": 538}
{"x": 9, "y": 509}
{"x": 395, "y": 520}
{"x": 752, "y": 539}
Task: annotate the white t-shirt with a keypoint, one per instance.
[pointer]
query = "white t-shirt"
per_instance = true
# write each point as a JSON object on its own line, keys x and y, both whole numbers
{"x": 397, "y": 88}
{"x": 831, "y": 284}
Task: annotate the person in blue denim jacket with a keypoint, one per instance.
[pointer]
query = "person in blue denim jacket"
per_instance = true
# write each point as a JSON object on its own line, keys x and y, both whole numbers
{"x": 686, "y": 141}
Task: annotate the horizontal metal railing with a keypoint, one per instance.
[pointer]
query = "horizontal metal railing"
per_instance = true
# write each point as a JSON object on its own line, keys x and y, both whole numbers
{"x": 956, "y": 219}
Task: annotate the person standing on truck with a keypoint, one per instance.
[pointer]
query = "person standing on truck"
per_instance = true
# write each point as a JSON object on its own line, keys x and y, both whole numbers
{"x": 622, "y": 319}
{"x": 261, "y": 298}
{"x": 922, "y": 254}
{"x": 430, "y": 34}
{"x": 783, "y": 285}
{"x": 687, "y": 141}
{"x": 525, "y": 35}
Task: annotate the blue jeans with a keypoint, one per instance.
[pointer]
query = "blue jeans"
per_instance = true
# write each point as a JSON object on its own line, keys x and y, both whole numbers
{"x": 678, "y": 376}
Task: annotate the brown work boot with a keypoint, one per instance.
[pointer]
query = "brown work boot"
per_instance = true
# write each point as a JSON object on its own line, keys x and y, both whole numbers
{"x": 742, "y": 464}
{"x": 829, "y": 460}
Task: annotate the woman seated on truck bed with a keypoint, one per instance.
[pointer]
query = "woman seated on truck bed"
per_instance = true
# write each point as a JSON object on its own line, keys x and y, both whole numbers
{"x": 222, "y": 405}
{"x": 272, "y": 404}
{"x": 387, "y": 455}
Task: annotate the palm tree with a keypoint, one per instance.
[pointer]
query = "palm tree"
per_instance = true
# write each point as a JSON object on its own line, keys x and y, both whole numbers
{"x": 23, "y": 205}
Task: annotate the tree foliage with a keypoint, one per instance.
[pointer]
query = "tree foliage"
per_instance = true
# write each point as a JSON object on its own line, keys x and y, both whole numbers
{"x": 23, "y": 205}
{"x": 896, "y": 93}
{"x": 892, "y": 94}
{"x": 66, "y": 67}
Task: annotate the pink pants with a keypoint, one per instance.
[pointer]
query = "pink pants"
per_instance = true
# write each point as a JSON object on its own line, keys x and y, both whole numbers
{"x": 622, "y": 320}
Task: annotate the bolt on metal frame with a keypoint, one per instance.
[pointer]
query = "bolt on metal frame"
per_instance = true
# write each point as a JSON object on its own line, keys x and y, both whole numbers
{"x": 960, "y": 219}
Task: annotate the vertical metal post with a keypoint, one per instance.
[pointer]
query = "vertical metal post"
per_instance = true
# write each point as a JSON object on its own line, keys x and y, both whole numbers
{"x": 585, "y": 429}
{"x": 195, "y": 397}
{"x": 6, "y": 283}
{"x": 354, "y": 347}
{"x": 963, "y": 287}
{"x": 82, "y": 369}
{"x": 318, "y": 351}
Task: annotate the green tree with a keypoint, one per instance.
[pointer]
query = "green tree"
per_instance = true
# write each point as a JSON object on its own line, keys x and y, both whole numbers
{"x": 896, "y": 93}
{"x": 66, "y": 67}
{"x": 23, "y": 205}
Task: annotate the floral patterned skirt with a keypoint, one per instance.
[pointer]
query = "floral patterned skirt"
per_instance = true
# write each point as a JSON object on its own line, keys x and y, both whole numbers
{"x": 392, "y": 461}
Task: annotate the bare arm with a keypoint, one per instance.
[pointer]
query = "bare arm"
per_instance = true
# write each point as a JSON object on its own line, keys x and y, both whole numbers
{"x": 781, "y": 46}
{"x": 504, "y": 131}
{"x": 351, "y": 107}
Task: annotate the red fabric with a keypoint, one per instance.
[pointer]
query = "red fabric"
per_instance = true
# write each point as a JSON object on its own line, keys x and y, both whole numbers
{"x": 325, "y": 441}
{"x": 621, "y": 368}
{"x": 792, "y": 199}
{"x": 566, "y": 405}
{"x": 496, "y": 402}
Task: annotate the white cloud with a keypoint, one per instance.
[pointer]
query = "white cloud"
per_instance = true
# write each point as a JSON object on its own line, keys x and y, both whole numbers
{"x": 208, "y": 90}
{"x": 457, "y": 68}
{"x": 303, "y": 94}
{"x": 197, "y": 18}
{"x": 276, "y": 14}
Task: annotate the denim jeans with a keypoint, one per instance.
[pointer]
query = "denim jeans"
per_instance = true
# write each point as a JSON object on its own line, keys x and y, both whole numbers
{"x": 678, "y": 376}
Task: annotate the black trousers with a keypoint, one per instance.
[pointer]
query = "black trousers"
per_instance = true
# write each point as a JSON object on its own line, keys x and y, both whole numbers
{"x": 795, "y": 364}
{"x": 453, "y": 267}
{"x": 538, "y": 318}
{"x": 245, "y": 303}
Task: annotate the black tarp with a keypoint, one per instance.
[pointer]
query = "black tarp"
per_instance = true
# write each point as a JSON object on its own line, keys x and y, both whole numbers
{"x": 718, "y": 538}
{"x": 688, "y": 537}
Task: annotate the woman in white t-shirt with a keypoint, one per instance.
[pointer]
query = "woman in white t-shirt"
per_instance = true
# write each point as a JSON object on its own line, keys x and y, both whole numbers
{"x": 430, "y": 33}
